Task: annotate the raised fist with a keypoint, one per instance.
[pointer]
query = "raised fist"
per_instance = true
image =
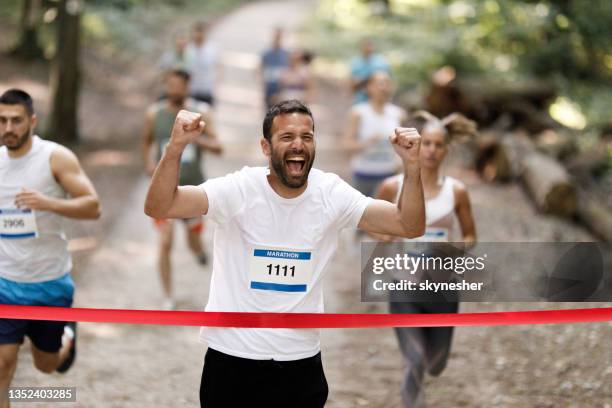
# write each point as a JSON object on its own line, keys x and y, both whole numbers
{"x": 407, "y": 144}
{"x": 187, "y": 127}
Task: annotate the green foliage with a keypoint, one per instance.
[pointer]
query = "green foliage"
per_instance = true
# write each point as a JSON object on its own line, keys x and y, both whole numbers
{"x": 133, "y": 26}
{"x": 564, "y": 41}
{"x": 114, "y": 27}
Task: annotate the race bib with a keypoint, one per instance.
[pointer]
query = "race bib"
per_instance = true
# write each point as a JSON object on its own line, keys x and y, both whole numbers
{"x": 434, "y": 234}
{"x": 16, "y": 223}
{"x": 280, "y": 270}
{"x": 382, "y": 151}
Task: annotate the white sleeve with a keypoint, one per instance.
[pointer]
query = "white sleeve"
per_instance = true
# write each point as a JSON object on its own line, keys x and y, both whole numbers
{"x": 349, "y": 204}
{"x": 225, "y": 197}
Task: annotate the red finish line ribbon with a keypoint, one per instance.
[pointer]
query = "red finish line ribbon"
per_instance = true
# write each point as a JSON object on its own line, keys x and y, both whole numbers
{"x": 305, "y": 320}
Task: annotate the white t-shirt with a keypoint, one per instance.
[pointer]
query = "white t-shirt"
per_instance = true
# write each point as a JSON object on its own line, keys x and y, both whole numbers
{"x": 378, "y": 159}
{"x": 270, "y": 254}
{"x": 200, "y": 62}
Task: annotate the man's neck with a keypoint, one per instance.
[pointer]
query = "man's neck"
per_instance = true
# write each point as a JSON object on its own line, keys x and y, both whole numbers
{"x": 22, "y": 151}
{"x": 281, "y": 189}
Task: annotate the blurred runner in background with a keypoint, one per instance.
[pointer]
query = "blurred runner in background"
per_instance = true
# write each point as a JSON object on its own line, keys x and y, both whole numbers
{"x": 366, "y": 135}
{"x": 362, "y": 67}
{"x": 202, "y": 57}
{"x": 41, "y": 184}
{"x": 175, "y": 58}
{"x": 426, "y": 349}
{"x": 273, "y": 61}
{"x": 296, "y": 79}
{"x": 159, "y": 120}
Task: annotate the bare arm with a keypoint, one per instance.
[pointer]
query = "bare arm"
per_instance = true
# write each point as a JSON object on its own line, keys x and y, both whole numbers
{"x": 349, "y": 138}
{"x": 388, "y": 192}
{"x": 83, "y": 202}
{"x": 165, "y": 199}
{"x": 407, "y": 218}
{"x": 463, "y": 209}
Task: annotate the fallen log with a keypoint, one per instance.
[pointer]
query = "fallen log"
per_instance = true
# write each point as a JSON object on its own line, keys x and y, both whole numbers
{"x": 513, "y": 156}
{"x": 596, "y": 215}
{"x": 549, "y": 185}
{"x": 499, "y": 157}
{"x": 485, "y": 100}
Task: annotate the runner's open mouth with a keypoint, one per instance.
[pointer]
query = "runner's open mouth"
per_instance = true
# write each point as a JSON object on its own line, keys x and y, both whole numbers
{"x": 296, "y": 165}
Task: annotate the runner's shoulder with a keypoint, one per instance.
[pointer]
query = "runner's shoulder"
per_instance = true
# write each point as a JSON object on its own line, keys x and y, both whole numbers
{"x": 324, "y": 180}
{"x": 62, "y": 159}
{"x": 456, "y": 183}
{"x": 248, "y": 174}
{"x": 63, "y": 154}
{"x": 155, "y": 107}
{"x": 460, "y": 191}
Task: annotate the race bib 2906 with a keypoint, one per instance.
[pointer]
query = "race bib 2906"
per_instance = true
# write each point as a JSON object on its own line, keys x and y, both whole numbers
{"x": 281, "y": 270}
{"x": 16, "y": 223}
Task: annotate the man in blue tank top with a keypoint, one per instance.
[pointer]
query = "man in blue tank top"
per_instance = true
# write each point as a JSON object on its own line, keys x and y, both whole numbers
{"x": 41, "y": 183}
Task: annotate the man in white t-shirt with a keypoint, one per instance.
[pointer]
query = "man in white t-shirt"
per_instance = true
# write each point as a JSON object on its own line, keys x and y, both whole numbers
{"x": 201, "y": 57}
{"x": 277, "y": 230}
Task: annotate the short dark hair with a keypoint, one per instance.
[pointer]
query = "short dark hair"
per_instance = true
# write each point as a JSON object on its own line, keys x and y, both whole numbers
{"x": 181, "y": 73}
{"x": 18, "y": 97}
{"x": 284, "y": 108}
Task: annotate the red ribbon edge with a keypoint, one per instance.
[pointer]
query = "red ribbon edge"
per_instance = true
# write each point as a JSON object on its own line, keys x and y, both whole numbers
{"x": 305, "y": 320}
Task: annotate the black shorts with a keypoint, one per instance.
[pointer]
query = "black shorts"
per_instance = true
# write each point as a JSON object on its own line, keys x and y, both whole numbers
{"x": 229, "y": 381}
{"x": 45, "y": 335}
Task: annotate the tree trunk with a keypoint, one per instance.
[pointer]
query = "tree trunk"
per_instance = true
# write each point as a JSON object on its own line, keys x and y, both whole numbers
{"x": 549, "y": 185}
{"x": 499, "y": 157}
{"x": 65, "y": 74}
{"x": 28, "y": 47}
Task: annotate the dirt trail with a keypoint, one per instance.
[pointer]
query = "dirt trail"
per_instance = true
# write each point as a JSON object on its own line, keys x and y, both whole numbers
{"x": 148, "y": 366}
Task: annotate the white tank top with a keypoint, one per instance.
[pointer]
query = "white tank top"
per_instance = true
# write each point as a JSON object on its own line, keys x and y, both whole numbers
{"x": 44, "y": 257}
{"x": 379, "y": 159}
{"x": 439, "y": 211}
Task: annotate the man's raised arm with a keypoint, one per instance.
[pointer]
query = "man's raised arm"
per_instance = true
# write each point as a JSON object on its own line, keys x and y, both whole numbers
{"x": 407, "y": 218}
{"x": 165, "y": 199}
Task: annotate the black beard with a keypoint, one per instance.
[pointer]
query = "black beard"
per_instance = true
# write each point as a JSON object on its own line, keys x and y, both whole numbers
{"x": 278, "y": 164}
{"x": 20, "y": 140}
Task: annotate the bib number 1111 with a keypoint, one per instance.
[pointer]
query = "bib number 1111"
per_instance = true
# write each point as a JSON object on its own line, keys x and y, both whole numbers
{"x": 279, "y": 270}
